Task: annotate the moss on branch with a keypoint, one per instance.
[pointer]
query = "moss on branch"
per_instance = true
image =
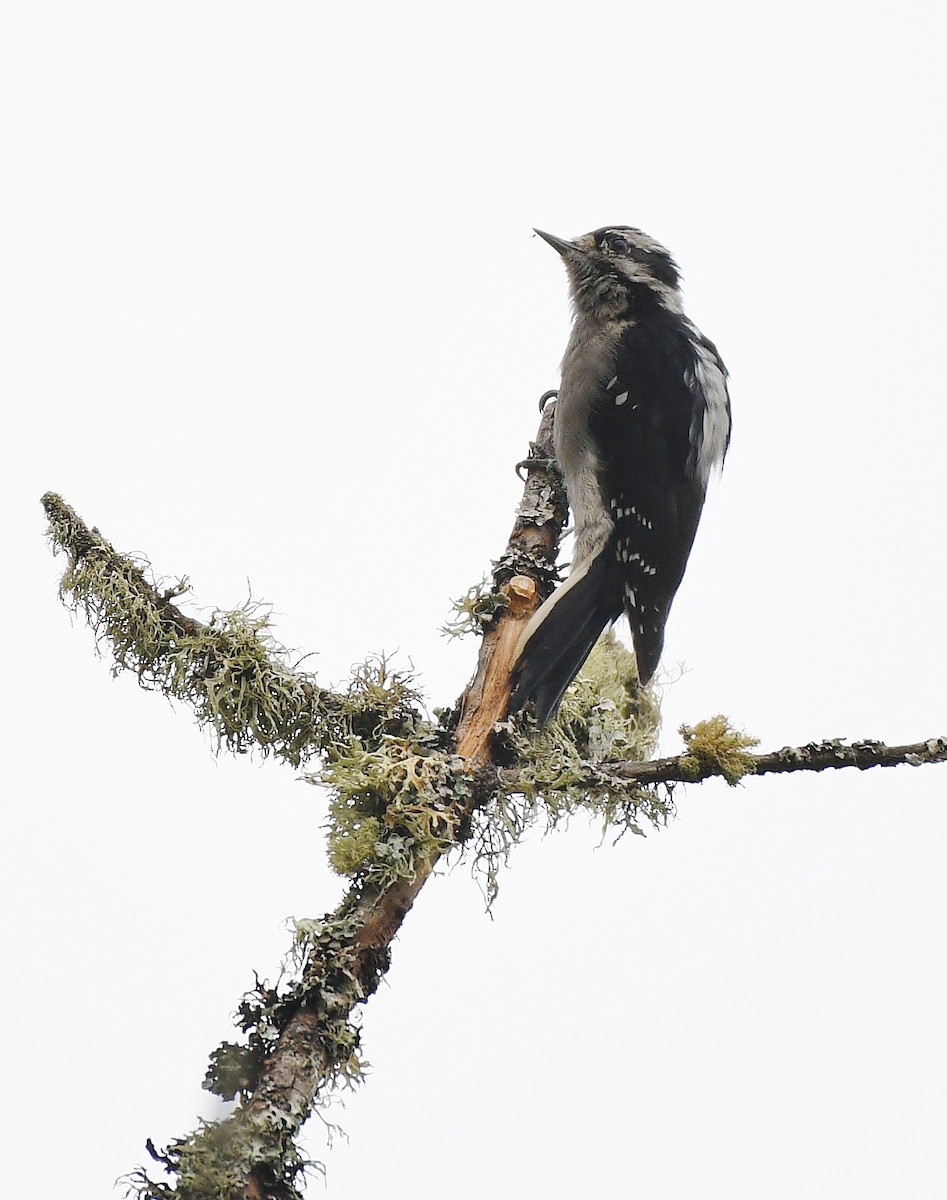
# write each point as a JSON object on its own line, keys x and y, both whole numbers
{"x": 714, "y": 747}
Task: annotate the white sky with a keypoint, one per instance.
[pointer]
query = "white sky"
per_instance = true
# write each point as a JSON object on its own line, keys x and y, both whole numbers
{"x": 272, "y": 311}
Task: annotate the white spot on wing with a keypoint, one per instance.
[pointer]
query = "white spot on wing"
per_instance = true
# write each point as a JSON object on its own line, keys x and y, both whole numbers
{"x": 622, "y": 398}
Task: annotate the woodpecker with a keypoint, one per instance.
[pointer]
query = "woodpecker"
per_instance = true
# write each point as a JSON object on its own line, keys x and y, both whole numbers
{"x": 642, "y": 419}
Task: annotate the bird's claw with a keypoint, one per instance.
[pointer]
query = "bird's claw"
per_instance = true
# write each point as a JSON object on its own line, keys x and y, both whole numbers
{"x": 546, "y": 397}
{"x": 535, "y": 461}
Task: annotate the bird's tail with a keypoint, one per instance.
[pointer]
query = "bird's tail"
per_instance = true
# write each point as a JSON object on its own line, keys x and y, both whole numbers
{"x": 561, "y": 634}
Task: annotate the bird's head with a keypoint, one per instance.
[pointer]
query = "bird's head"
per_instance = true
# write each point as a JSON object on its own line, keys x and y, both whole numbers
{"x": 617, "y": 270}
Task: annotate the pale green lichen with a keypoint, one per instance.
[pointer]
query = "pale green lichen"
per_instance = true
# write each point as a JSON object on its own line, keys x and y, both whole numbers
{"x": 352, "y": 839}
{"x": 214, "y": 1162}
{"x": 390, "y": 802}
{"x": 394, "y": 787}
{"x": 474, "y": 611}
{"x": 379, "y": 700}
{"x": 714, "y": 746}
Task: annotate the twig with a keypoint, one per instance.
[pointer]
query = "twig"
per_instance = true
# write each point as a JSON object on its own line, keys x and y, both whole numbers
{"x": 814, "y": 756}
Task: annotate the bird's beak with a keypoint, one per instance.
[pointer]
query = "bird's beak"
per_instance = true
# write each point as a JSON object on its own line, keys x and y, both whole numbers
{"x": 559, "y": 243}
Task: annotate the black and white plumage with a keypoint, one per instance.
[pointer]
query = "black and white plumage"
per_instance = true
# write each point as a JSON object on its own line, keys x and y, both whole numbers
{"x": 642, "y": 418}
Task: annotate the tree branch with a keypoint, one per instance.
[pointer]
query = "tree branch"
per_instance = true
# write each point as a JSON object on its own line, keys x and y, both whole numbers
{"x": 231, "y": 671}
{"x": 404, "y": 793}
{"x": 814, "y": 756}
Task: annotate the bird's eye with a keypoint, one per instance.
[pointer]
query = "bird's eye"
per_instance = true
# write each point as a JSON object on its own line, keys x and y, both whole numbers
{"x": 618, "y": 245}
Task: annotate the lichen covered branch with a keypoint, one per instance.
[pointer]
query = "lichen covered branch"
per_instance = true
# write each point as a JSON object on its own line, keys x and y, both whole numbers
{"x": 830, "y": 755}
{"x": 403, "y": 791}
{"x": 230, "y": 670}
{"x": 716, "y": 750}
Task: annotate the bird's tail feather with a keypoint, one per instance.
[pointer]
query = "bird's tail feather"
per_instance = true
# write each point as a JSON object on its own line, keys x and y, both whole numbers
{"x": 561, "y": 634}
